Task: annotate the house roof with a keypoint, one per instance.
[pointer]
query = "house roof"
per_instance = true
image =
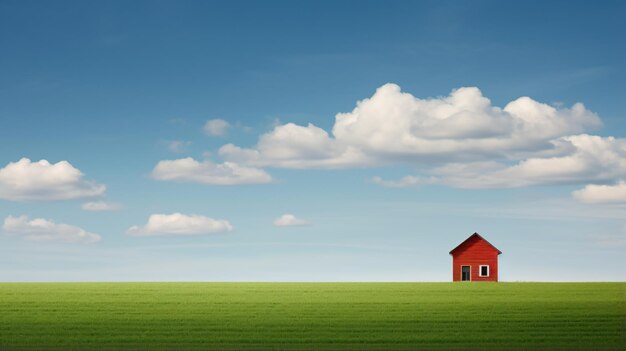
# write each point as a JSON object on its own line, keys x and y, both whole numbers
{"x": 472, "y": 236}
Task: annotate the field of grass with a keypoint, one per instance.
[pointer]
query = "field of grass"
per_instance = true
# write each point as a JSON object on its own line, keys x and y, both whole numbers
{"x": 313, "y": 316}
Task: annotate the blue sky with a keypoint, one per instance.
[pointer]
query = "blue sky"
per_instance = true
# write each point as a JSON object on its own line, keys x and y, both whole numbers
{"x": 123, "y": 92}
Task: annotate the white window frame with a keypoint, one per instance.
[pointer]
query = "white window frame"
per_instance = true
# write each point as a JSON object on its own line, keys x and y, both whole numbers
{"x": 480, "y": 270}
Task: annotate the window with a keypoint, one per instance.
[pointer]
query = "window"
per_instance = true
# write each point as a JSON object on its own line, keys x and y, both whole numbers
{"x": 484, "y": 271}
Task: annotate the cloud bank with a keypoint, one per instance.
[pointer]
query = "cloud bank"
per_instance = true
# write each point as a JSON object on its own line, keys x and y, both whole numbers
{"x": 395, "y": 127}
{"x": 460, "y": 140}
{"x": 42, "y": 181}
{"x": 39, "y": 229}
{"x": 178, "y": 224}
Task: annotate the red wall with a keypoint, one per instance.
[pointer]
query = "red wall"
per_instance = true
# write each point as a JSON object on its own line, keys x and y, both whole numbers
{"x": 475, "y": 252}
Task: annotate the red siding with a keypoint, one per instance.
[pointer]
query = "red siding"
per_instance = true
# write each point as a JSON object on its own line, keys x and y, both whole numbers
{"x": 475, "y": 252}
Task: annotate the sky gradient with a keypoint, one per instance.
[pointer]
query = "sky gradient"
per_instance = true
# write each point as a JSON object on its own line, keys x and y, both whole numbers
{"x": 310, "y": 141}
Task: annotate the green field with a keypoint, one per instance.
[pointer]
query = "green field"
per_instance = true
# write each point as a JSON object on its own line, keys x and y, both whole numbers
{"x": 313, "y": 316}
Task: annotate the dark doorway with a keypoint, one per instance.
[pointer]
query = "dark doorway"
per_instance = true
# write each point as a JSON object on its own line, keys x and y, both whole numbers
{"x": 465, "y": 273}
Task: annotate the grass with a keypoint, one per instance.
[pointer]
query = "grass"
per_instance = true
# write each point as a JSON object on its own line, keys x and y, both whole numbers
{"x": 313, "y": 316}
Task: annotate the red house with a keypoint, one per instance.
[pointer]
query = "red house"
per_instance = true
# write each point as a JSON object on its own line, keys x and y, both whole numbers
{"x": 475, "y": 259}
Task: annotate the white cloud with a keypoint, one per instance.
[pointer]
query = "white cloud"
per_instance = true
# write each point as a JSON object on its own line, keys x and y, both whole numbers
{"x": 588, "y": 158}
{"x": 39, "y": 229}
{"x": 42, "y": 181}
{"x": 463, "y": 125}
{"x": 180, "y": 224}
{"x": 396, "y": 127}
{"x": 207, "y": 172}
{"x": 216, "y": 127}
{"x": 585, "y": 158}
{"x": 289, "y": 220}
{"x": 100, "y": 206}
{"x": 460, "y": 140}
{"x": 594, "y": 194}
{"x": 177, "y": 146}
{"x": 293, "y": 146}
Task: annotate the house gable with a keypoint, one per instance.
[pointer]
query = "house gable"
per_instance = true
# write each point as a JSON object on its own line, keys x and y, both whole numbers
{"x": 469, "y": 242}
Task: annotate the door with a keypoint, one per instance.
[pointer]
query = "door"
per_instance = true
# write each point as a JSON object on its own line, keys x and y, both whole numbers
{"x": 465, "y": 273}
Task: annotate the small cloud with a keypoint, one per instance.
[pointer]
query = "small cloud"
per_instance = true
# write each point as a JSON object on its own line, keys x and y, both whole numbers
{"x": 39, "y": 229}
{"x": 42, "y": 181}
{"x": 216, "y": 127}
{"x": 180, "y": 224}
{"x": 207, "y": 172}
{"x": 404, "y": 182}
{"x": 100, "y": 206}
{"x": 177, "y": 146}
{"x": 289, "y": 220}
{"x": 598, "y": 194}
